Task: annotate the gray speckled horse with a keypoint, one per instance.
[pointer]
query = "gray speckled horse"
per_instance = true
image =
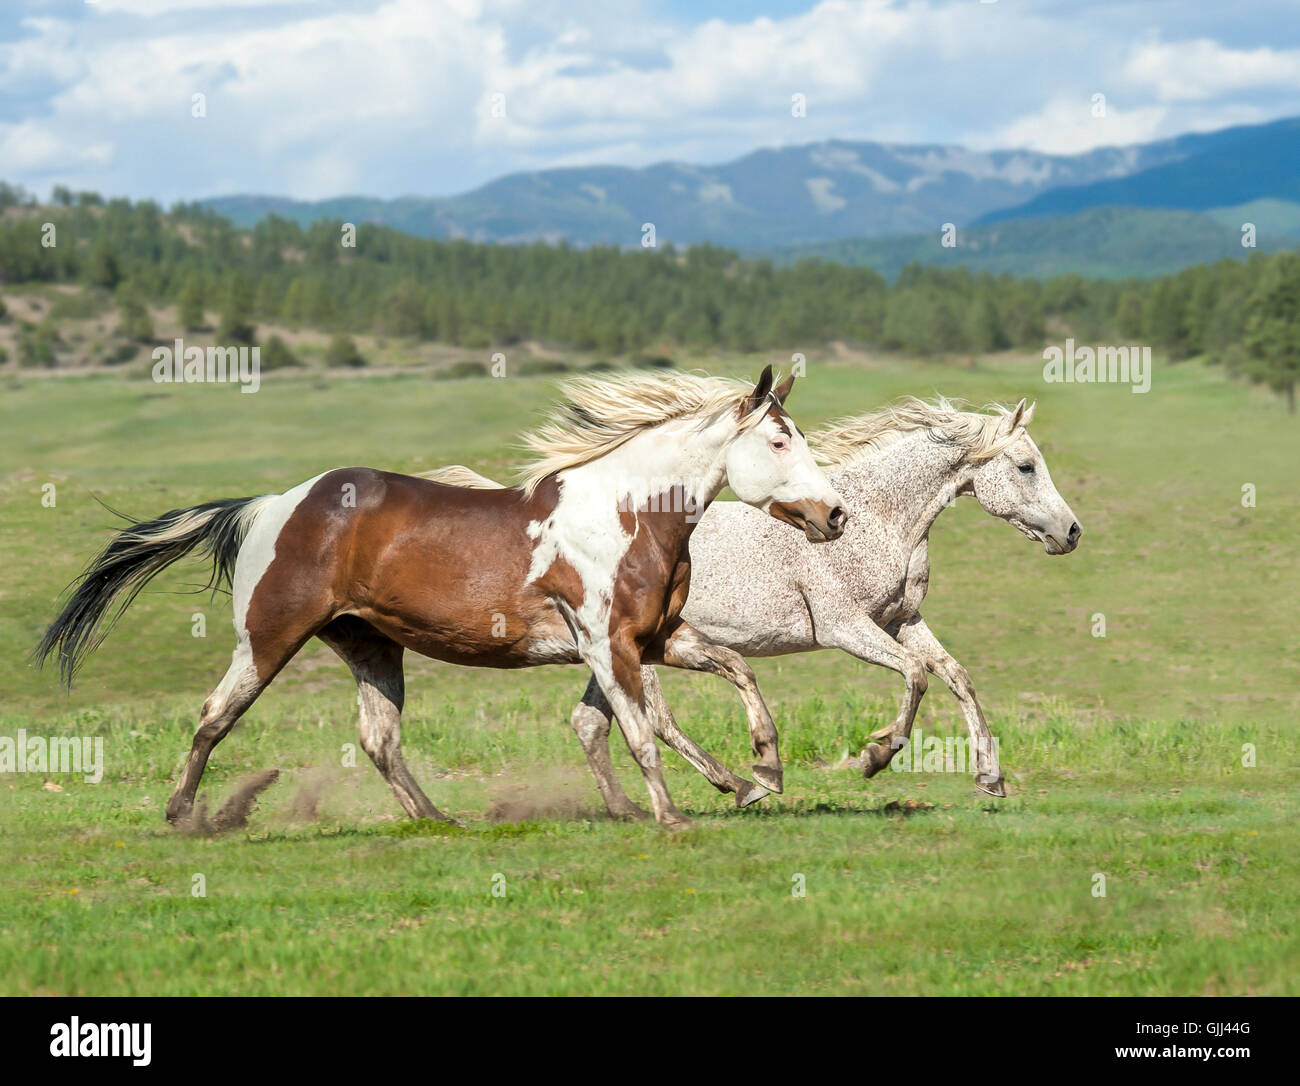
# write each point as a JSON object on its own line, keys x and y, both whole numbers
{"x": 761, "y": 591}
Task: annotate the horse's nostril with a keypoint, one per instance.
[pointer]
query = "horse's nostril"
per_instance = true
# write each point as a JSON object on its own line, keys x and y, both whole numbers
{"x": 837, "y": 517}
{"x": 1075, "y": 532}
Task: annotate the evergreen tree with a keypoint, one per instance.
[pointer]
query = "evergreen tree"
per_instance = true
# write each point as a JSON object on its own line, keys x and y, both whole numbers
{"x": 103, "y": 270}
{"x": 277, "y": 355}
{"x": 983, "y": 330}
{"x": 1272, "y": 346}
{"x": 134, "y": 321}
{"x": 190, "y": 304}
{"x": 236, "y": 314}
{"x": 268, "y": 299}
{"x": 1128, "y": 316}
{"x": 342, "y": 351}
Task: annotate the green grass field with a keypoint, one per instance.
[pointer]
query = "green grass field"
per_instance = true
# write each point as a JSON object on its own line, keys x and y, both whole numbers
{"x": 1124, "y": 754}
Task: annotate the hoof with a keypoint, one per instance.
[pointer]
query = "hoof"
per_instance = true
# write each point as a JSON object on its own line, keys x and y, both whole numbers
{"x": 874, "y": 758}
{"x": 627, "y": 812}
{"x": 437, "y": 818}
{"x": 994, "y": 788}
{"x": 675, "y": 821}
{"x": 771, "y": 779}
{"x": 751, "y": 793}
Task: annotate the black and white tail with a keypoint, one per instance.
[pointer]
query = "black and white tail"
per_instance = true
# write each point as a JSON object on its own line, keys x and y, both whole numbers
{"x": 134, "y": 556}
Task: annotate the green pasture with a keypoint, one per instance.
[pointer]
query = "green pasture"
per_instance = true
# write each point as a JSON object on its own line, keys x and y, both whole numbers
{"x": 1124, "y": 753}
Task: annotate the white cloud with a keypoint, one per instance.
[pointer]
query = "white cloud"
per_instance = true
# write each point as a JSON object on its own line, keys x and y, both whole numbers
{"x": 1068, "y": 126}
{"x": 167, "y": 7}
{"x": 1201, "y": 70}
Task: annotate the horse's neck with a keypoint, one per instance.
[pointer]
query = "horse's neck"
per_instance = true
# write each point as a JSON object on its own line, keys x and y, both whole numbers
{"x": 680, "y": 461}
{"x": 906, "y": 484}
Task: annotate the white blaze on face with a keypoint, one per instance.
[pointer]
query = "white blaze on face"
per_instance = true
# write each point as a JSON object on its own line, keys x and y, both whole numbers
{"x": 771, "y": 462}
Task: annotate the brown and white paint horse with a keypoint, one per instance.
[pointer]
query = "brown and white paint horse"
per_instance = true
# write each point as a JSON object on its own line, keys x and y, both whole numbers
{"x": 586, "y": 561}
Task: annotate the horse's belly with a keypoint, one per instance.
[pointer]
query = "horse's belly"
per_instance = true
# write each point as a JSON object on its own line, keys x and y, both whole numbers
{"x": 781, "y": 643}
{"x": 476, "y": 636}
{"x": 751, "y": 638}
{"x": 753, "y": 617}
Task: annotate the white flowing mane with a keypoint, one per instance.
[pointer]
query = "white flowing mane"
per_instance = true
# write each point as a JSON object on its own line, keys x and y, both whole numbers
{"x": 979, "y": 434}
{"x": 598, "y": 415}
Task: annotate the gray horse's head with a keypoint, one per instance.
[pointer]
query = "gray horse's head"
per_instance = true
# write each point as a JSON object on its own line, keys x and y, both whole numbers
{"x": 1016, "y": 486}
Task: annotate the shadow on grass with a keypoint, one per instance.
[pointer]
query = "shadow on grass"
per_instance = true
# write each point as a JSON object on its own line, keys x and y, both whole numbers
{"x": 891, "y": 809}
{"x": 427, "y": 828}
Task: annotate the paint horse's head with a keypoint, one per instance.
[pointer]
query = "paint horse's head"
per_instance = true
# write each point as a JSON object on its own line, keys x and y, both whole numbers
{"x": 770, "y": 466}
{"x": 1016, "y": 486}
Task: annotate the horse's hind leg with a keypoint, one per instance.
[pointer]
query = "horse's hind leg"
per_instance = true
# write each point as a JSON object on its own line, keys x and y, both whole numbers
{"x": 376, "y": 664}
{"x": 717, "y": 774}
{"x": 687, "y": 648}
{"x": 225, "y": 705}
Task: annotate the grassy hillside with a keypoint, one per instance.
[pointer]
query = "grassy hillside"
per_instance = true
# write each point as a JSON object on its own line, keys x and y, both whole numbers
{"x": 1123, "y": 754}
{"x": 1100, "y": 243}
{"x": 1272, "y": 218}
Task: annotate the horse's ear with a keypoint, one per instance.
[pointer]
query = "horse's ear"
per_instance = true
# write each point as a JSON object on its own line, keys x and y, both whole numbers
{"x": 1029, "y": 414}
{"x": 760, "y": 393}
{"x": 1016, "y": 418}
{"x": 783, "y": 389}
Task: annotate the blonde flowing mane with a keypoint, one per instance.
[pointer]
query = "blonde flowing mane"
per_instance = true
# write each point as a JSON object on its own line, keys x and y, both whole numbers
{"x": 951, "y": 422}
{"x": 597, "y": 415}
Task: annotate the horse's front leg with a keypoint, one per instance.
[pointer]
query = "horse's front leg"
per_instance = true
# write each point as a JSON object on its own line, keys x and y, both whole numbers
{"x": 616, "y": 664}
{"x": 918, "y": 637}
{"x": 591, "y": 721}
{"x": 859, "y": 636}
{"x": 687, "y": 648}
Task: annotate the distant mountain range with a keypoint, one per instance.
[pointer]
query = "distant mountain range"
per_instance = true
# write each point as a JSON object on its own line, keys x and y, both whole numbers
{"x": 1219, "y": 169}
{"x": 834, "y": 199}
{"x": 1100, "y": 242}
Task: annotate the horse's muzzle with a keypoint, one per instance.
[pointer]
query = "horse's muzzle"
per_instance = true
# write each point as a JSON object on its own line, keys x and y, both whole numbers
{"x": 1054, "y": 544}
{"x": 819, "y": 522}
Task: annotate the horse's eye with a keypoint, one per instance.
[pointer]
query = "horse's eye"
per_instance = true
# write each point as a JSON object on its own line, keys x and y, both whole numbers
{"x": 779, "y": 444}
{"x": 1026, "y": 469}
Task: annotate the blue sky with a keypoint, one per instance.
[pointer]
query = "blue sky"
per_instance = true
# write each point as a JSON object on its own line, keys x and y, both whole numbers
{"x": 312, "y": 98}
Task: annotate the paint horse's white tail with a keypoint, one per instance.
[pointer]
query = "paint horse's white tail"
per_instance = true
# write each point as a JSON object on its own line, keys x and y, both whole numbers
{"x": 134, "y": 556}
